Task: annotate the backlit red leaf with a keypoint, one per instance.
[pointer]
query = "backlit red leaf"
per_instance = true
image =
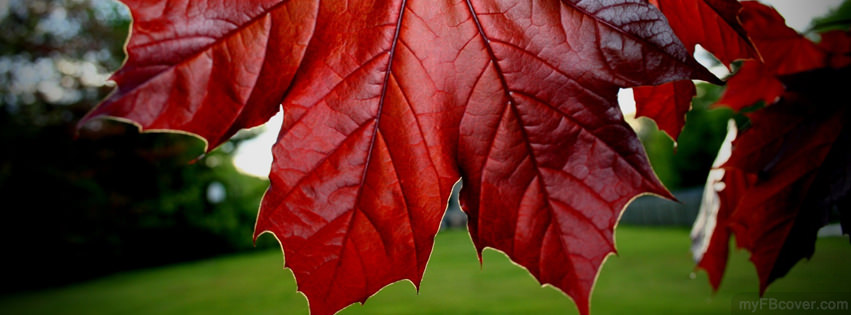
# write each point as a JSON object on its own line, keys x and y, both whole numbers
{"x": 791, "y": 167}
{"x": 785, "y": 175}
{"x": 667, "y": 104}
{"x": 711, "y": 232}
{"x": 786, "y": 149}
{"x": 388, "y": 103}
{"x": 753, "y": 82}
{"x": 838, "y": 45}
{"x": 713, "y": 24}
{"x": 198, "y": 67}
{"x": 783, "y": 50}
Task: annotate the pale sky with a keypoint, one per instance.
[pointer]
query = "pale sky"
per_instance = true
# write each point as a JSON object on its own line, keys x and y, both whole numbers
{"x": 254, "y": 156}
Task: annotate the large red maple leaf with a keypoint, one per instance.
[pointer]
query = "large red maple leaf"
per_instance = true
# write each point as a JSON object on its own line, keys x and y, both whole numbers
{"x": 388, "y": 103}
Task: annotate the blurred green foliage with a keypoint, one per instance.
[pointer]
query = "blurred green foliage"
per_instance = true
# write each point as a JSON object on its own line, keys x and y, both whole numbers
{"x": 79, "y": 204}
{"x": 838, "y": 19}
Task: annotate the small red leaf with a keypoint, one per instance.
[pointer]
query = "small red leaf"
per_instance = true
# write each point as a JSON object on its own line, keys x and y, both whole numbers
{"x": 783, "y": 50}
{"x": 714, "y": 260}
{"x": 667, "y": 104}
{"x": 720, "y": 32}
{"x": 753, "y": 82}
{"x": 785, "y": 148}
{"x": 714, "y": 24}
{"x": 838, "y": 46}
{"x": 711, "y": 232}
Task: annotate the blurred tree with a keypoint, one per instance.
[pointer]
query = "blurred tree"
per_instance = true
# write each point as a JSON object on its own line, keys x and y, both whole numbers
{"x": 112, "y": 199}
{"x": 837, "y": 19}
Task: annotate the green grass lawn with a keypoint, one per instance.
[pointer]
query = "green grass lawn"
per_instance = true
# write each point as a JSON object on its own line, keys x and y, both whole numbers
{"x": 652, "y": 274}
